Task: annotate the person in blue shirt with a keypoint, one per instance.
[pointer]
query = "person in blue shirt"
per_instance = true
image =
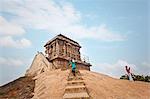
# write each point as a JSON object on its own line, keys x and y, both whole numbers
{"x": 73, "y": 66}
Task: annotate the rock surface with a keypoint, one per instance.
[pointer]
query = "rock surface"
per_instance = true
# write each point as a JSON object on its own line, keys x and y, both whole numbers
{"x": 21, "y": 88}
{"x": 52, "y": 84}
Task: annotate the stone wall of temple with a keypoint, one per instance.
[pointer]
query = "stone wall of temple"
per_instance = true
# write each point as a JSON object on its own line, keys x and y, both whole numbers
{"x": 60, "y": 50}
{"x": 83, "y": 66}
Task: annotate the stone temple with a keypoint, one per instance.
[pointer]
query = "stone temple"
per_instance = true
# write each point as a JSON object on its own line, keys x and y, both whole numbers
{"x": 58, "y": 52}
{"x": 61, "y": 49}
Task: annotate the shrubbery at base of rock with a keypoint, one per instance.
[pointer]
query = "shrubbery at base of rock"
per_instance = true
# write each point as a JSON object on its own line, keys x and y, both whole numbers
{"x": 137, "y": 77}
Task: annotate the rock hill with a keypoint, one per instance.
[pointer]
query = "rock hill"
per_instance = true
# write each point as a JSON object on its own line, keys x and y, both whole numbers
{"x": 52, "y": 83}
{"x": 98, "y": 86}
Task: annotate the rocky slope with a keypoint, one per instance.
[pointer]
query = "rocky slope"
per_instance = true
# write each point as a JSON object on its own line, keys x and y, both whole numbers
{"x": 52, "y": 84}
{"x": 21, "y": 88}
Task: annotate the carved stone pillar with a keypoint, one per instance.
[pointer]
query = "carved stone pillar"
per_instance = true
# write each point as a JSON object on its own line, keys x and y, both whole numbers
{"x": 64, "y": 48}
{"x": 57, "y": 48}
{"x": 75, "y": 53}
{"x": 54, "y": 48}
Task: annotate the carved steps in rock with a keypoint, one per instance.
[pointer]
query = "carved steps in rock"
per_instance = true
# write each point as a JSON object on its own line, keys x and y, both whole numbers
{"x": 75, "y": 88}
{"x": 70, "y": 78}
{"x": 76, "y": 82}
{"x": 82, "y": 95}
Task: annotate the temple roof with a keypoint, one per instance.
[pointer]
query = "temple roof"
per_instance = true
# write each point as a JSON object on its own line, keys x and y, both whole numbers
{"x": 64, "y": 38}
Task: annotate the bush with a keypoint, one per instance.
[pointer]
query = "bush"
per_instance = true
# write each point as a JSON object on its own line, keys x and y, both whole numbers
{"x": 137, "y": 78}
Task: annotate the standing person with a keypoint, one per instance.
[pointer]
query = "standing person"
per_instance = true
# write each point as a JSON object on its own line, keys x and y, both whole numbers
{"x": 129, "y": 73}
{"x": 73, "y": 66}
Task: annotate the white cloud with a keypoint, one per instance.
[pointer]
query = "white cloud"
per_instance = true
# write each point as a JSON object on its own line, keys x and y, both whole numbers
{"x": 10, "y": 62}
{"x": 8, "y": 41}
{"x": 8, "y": 28}
{"x": 101, "y": 32}
{"x": 144, "y": 68}
{"x": 24, "y": 43}
{"x": 115, "y": 70}
{"x": 57, "y": 18}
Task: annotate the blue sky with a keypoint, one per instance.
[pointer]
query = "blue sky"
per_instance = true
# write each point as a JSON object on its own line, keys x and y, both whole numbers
{"x": 112, "y": 33}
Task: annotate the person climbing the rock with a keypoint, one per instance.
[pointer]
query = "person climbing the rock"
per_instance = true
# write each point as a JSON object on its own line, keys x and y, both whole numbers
{"x": 73, "y": 66}
{"x": 129, "y": 73}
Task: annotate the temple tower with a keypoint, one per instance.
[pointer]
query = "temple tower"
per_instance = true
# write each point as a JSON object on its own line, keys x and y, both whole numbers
{"x": 61, "y": 49}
